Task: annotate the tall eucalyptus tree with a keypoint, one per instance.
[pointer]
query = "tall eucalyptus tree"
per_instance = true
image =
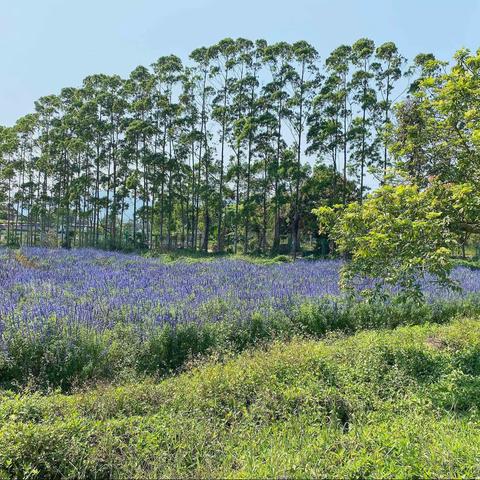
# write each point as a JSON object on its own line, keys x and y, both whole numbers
{"x": 203, "y": 59}
{"x": 364, "y": 143}
{"x": 388, "y": 70}
{"x": 304, "y": 79}
{"x": 254, "y": 63}
{"x": 139, "y": 130}
{"x": 8, "y": 148}
{"x": 325, "y": 129}
{"x": 338, "y": 63}
{"x": 168, "y": 74}
{"x": 277, "y": 57}
{"x": 222, "y": 74}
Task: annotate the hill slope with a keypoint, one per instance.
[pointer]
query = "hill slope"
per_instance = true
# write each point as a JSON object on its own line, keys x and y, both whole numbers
{"x": 379, "y": 403}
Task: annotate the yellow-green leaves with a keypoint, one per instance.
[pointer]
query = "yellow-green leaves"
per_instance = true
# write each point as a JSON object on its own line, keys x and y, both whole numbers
{"x": 401, "y": 233}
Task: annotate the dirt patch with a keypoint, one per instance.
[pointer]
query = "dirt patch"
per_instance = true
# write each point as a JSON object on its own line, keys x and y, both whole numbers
{"x": 436, "y": 343}
{"x": 25, "y": 261}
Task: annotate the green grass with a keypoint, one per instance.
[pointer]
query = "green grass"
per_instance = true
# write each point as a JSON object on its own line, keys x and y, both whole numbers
{"x": 192, "y": 256}
{"x": 380, "y": 403}
{"x": 472, "y": 263}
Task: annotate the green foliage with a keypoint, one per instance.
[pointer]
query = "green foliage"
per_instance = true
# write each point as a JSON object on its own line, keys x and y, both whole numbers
{"x": 380, "y": 404}
{"x": 59, "y": 355}
{"x": 472, "y": 264}
{"x": 192, "y": 256}
{"x": 437, "y": 132}
{"x": 396, "y": 236}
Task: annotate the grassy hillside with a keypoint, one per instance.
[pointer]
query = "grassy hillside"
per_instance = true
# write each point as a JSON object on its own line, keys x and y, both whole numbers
{"x": 380, "y": 403}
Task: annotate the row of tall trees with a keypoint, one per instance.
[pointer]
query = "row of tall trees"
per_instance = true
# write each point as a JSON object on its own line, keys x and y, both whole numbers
{"x": 230, "y": 150}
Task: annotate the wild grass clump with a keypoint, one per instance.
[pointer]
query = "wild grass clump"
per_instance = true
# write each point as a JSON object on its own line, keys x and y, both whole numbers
{"x": 380, "y": 403}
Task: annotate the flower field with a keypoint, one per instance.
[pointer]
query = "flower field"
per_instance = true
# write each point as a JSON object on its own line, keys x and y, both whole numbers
{"x": 99, "y": 289}
{"x": 70, "y": 317}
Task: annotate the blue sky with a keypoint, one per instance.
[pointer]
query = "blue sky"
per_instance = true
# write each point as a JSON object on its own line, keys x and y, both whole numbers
{"x": 50, "y": 44}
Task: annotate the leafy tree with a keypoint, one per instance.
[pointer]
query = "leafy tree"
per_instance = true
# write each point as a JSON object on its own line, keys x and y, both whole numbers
{"x": 437, "y": 132}
{"x": 338, "y": 64}
{"x": 303, "y": 79}
{"x": 401, "y": 234}
{"x": 203, "y": 59}
{"x": 325, "y": 129}
{"x": 363, "y": 142}
{"x": 224, "y": 57}
{"x": 277, "y": 57}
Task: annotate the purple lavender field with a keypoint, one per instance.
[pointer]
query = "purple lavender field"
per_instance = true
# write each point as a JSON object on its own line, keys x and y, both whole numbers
{"x": 99, "y": 289}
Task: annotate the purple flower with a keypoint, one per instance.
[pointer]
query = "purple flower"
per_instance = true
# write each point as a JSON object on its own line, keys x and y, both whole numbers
{"x": 100, "y": 289}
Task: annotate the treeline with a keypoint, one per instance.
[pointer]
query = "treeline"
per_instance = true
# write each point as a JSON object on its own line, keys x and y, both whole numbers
{"x": 229, "y": 151}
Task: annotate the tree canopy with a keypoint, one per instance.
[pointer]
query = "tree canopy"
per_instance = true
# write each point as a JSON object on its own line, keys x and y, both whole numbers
{"x": 221, "y": 151}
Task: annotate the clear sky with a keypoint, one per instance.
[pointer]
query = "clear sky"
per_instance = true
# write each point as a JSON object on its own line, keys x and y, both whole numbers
{"x": 46, "y": 45}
